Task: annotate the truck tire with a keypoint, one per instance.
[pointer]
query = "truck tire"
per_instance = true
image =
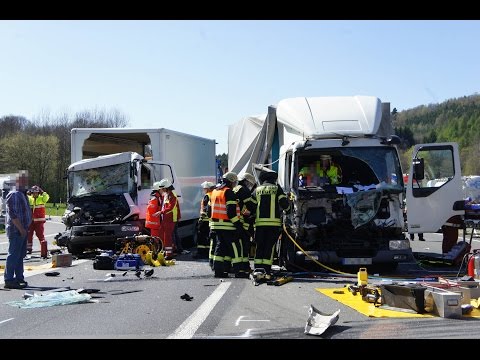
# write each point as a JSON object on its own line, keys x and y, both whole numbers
{"x": 74, "y": 250}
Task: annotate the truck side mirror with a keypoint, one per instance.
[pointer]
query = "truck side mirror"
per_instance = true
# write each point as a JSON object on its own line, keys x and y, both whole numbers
{"x": 418, "y": 169}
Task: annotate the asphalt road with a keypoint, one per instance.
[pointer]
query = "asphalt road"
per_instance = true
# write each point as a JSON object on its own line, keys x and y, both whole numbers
{"x": 152, "y": 308}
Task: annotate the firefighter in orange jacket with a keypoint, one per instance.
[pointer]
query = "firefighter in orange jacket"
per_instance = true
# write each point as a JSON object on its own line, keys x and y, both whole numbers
{"x": 152, "y": 217}
{"x": 226, "y": 227}
{"x": 37, "y": 198}
{"x": 170, "y": 214}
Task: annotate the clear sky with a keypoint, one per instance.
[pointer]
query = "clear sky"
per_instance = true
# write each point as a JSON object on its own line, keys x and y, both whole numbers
{"x": 199, "y": 76}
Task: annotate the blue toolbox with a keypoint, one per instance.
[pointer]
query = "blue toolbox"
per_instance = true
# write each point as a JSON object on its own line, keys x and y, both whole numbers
{"x": 129, "y": 262}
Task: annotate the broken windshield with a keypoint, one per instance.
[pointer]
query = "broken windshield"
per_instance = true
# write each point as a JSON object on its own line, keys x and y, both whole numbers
{"x": 359, "y": 167}
{"x": 106, "y": 180}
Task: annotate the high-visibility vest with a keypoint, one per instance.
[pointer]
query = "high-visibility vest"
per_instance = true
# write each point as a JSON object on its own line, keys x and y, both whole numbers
{"x": 170, "y": 208}
{"x": 271, "y": 200}
{"x": 203, "y": 206}
{"x": 152, "y": 222}
{"x": 332, "y": 173}
{"x": 218, "y": 203}
{"x": 38, "y": 206}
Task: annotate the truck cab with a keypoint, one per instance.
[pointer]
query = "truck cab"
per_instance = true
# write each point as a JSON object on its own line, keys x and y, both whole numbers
{"x": 358, "y": 221}
{"x": 107, "y": 199}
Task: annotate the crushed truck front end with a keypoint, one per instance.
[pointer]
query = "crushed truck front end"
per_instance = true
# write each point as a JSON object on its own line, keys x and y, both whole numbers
{"x": 358, "y": 221}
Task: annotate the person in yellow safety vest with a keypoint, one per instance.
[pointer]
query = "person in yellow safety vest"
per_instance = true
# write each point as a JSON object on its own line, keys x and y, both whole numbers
{"x": 226, "y": 227}
{"x": 152, "y": 216}
{"x": 203, "y": 227}
{"x": 170, "y": 214}
{"x": 243, "y": 191}
{"x": 37, "y": 199}
{"x": 271, "y": 201}
{"x": 321, "y": 172}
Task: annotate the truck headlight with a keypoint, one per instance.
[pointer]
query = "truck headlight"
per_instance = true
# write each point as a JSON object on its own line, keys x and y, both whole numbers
{"x": 130, "y": 228}
{"x": 399, "y": 244}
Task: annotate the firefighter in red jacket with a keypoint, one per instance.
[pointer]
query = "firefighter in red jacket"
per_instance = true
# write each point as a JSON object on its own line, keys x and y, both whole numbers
{"x": 152, "y": 217}
{"x": 170, "y": 214}
{"x": 37, "y": 198}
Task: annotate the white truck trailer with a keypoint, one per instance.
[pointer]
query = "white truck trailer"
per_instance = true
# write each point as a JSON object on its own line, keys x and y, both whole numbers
{"x": 357, "y": 222}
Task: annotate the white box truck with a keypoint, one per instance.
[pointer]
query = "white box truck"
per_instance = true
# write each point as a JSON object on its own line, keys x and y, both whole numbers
{"x": 193, "y": 158}
{"x": 356, "y": 222}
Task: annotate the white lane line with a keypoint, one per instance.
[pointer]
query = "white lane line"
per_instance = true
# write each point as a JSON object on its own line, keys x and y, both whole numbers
{"x": 188, "y": 328}
{"x": 4, "y": 321}
{"x": 240, "y": 319}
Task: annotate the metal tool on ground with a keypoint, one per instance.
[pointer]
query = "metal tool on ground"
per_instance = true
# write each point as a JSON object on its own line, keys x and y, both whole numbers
{"x": 259, "y": 276}
{"x": 370, "y": 294}
{"x": 280, "y": 280}
{"x": 140, "y": 244}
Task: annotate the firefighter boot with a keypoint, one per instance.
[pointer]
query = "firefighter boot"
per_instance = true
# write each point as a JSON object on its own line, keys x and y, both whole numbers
{"x": 43, "y": 249}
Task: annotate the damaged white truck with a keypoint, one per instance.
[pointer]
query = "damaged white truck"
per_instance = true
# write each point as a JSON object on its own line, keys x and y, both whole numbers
{"x": 358, "y": 221}
{"x": 111, "y": 177}
{"x": 107, "y": 199}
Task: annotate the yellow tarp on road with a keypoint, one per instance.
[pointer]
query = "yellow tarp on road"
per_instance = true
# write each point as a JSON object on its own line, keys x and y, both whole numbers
{"x": 368, "y": 309}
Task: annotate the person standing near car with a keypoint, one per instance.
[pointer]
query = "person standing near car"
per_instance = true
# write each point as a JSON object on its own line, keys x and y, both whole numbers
{"x": 37, "y": 198}
{"x": 17, "y": 221}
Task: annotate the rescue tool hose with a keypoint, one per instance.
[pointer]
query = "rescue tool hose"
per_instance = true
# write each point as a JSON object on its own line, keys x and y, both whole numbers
{"x": 312, "y": 258}
{"x": 331, "y": 269}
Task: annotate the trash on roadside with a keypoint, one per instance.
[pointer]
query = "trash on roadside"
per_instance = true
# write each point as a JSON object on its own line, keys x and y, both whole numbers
{"x": 52, "y": 273}
{"x": 186, "y": 297}
{"x": 318, "y": 321}
{"x": 52, "y": 299}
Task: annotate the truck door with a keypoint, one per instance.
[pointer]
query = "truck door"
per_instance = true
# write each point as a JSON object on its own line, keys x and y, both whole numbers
{"x": 434, "y": 186}
{"x": 151, "y": 172}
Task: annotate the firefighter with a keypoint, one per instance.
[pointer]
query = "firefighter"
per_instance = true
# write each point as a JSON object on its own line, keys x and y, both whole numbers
{"x": 270, "y": 200}
{"x": 152, "y": 216}
{"x": 169, "y": 214}
{"x": 37, "y": 199}
{"x": 225, "y": 226}
{"x": 203, "y": 227}
{"x": 243, "y": 190}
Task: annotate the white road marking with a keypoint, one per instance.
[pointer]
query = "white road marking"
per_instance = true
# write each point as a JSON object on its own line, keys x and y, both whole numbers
{"x": 240, "y": 318}
{"x": 4, "y": 321}
{"x": 188, "y": 328}
{"x": 246, "y": 334}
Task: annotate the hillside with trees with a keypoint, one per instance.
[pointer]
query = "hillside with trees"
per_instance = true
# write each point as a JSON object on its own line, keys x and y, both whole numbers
{"x": 42, "y": 145}
{"x": 455, "y": 120}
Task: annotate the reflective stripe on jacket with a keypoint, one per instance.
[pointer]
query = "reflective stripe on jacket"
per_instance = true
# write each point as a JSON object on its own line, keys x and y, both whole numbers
{"x": 152, "y": 222}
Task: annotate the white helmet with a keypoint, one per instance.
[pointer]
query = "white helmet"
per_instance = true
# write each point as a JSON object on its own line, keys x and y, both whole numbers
{"x": 247, "y": 176}
{"x": 230, "y": 176}
{"x": 164, "y": 183}
{"x": 156, "y": 185}
{"x": 207, "y": 185}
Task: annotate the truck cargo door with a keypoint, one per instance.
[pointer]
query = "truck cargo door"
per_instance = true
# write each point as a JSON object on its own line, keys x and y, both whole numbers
{"x": 434, "y": 185}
